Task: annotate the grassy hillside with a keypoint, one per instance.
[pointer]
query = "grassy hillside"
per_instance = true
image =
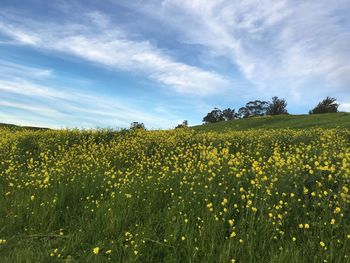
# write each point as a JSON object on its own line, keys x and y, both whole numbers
{"x": 331, "y": 120}
{"x": 17, "y": 128}
{"x": 175, "y": 196}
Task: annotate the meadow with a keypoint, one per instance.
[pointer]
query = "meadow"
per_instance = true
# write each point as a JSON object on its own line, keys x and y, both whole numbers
{"x": 265, "y": 195}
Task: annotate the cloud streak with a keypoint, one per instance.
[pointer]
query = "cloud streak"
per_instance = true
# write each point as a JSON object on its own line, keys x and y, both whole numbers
{"x": 274, "y": 43}
{"x": 102, "y": 43}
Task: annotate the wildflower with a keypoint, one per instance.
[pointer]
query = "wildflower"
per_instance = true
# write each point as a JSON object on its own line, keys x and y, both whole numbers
{"x": 108, "y": 251}
{"x": 322, "y": 244}
{"x": 183, "y": 238}
{"x": 32, "y": 198}
{"x": 96, "y": 250}
{"x": 337, "y": 210}
{"x": 2, "y": 241}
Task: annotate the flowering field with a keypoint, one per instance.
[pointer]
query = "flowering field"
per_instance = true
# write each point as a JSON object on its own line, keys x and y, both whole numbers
{"x": 175, "y": 196}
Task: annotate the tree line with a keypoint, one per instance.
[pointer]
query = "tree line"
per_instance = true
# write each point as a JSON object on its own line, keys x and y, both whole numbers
{"x": 252, "y": 109}
{"x": 261, "y": 108}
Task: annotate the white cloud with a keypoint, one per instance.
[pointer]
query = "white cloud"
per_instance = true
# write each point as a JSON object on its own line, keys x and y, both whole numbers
{"x": 47, "y": 106}
{"x": 103, "y": 43}
{"x": 281, "y": 46}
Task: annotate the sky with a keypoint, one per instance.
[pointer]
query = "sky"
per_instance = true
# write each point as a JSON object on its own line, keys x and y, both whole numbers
{"x": 89, "y": 64}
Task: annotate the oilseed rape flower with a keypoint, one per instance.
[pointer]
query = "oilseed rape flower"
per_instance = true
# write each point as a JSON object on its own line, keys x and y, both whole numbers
{"x": 135, "y": 192}
{"x": 96, "y": 250}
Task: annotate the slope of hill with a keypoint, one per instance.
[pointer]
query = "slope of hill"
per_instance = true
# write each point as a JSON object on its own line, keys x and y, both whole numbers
{"x": 16, "y": 127}
{"x": 330, "y": 120}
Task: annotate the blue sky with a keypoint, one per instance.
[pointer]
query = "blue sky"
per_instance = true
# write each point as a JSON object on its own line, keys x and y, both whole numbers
{"x": 109, "y": 63}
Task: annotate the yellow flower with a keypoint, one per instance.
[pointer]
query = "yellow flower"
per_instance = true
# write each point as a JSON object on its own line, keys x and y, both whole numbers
{"x": 301, "y": 226}
{"x": 2, "y": 241}
{"x": 108, "y": 251}
{"x": 294, "y": 239}
{"x": 332, "y": 221}
{"x": 306, "y": 226}
{"x": 32, "y": 198}
{"x": 337, "y": 210}
{"x": 322, "y": 244}
{"x": 233, "y": 234}
{"x": 96, "y": 250}
{"x": 183, "y": 238}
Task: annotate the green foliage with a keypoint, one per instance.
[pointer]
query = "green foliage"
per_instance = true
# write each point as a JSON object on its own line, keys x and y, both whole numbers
{"x": 175, "y": 196}
{"x": 137, "y": 126}
{"x": 218, "y": 115}
{"x": 328, "y": 105}
{"x": 253, "y": 108}
{"x": 214, "y": 116}
{"x": 330, "y": 120}
{"x": 184, "y": 124}
{"x": 277, "y": 106}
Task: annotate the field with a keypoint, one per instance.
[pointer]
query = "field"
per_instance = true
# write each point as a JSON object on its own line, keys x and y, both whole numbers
{"x": 329, "y": 120}
{"x": 272, "y": 195}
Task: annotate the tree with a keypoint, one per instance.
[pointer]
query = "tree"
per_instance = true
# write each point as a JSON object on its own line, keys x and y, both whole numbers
{"x": 277, "y": 107}
{"x": 229, "y": 114}
{"x": 214, "y": 116}
{"x": 184, "y": 124}
{"x": 137, "y": 126}
{"x": 253, "y": 108}
{"x": 328, "y": 105}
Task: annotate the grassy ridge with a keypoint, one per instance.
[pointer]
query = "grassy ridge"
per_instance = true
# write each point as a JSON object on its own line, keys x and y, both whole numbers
{"x": 18, "y": 128}
{"x": 330, "y": 120}
{"x": 175, "y": 196}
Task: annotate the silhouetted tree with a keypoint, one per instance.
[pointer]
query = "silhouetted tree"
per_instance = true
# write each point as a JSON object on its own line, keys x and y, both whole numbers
{"x": 229, "y": 114}
{"x": 184, "y": 124}
{"x": 253, "y": 108}
{"x": 214, "y": 116}
{"x": 277, "y": 106}
{"x": 328, "y": 105}
{"x": 137, "y": 126}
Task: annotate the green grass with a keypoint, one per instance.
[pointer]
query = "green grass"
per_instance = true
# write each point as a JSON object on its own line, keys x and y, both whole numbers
{"x": 170, "y": 196}
{"x": 18, "y": 128}
{"x": 329, "y": 120}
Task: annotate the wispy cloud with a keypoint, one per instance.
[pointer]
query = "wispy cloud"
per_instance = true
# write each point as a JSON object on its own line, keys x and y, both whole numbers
{"x": 45, "y": 105}
{"x": 280, "y": 46}
{"x": 101, "y": 42}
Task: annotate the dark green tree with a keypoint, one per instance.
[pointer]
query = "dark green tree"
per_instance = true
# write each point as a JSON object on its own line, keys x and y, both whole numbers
{"x": 137, "y": 126}
{"x": 253, "y": 108}
{"x": 229, "y": 114}
{"x": 328, "y": 105}
{"x": 184, "y": 124}
{"x": 277, "y": 106}
{"x": 215, "y": 115}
